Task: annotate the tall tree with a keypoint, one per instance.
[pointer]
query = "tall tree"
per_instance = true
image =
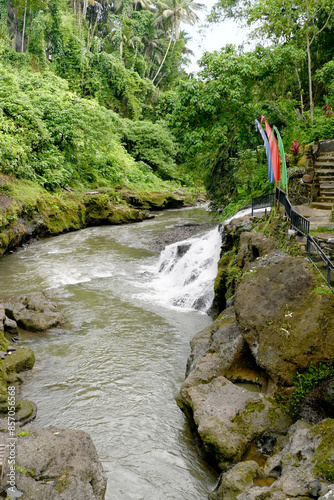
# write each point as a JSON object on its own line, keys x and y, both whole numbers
{"x": 172, "y": 13}
{"x": 296, "y": 22}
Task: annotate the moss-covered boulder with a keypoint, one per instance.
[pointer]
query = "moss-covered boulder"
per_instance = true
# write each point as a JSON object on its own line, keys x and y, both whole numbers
{"x": 237, "y": 480}
{"x": 20, "y": 360}
{"x": 285, "y": 322}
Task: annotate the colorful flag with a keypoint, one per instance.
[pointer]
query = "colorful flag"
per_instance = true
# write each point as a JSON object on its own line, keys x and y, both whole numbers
{"x": 273, "y": 149}
{"x": 284, "y": 176}
{"x": 271, "y": 177}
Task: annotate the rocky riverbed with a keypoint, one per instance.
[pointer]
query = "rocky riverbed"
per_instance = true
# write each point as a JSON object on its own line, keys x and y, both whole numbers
{"x": 275, "y": 321}
{"x": 40, "y": 463}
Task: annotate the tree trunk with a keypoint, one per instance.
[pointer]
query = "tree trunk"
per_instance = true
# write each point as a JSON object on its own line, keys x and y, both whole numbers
{"x": 24, "y": 26}
{"x": 310, "y": 76}
{"x": 301, "y": 92}
{"x": 93, "y": 32}
{"x": 309, "y": 66}
{"x": 170, "y": 41}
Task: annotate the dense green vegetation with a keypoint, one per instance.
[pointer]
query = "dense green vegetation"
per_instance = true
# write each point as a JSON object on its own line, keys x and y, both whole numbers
{"x": 96, "y": 94}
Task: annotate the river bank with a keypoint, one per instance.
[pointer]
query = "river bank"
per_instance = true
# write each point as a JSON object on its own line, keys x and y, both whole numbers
{"x": 27, "y": 211}
{"x": 254, "y": 388}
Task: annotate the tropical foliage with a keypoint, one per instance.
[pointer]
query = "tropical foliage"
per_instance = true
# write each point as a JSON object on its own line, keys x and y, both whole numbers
{"x": 94, "y": 91}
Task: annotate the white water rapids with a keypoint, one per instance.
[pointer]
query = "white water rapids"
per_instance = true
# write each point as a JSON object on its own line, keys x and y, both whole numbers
{"x": 185, "y": 272}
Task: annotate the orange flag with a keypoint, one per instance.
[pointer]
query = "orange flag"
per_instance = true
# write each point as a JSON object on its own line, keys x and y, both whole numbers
{"x": 273, "y": 150}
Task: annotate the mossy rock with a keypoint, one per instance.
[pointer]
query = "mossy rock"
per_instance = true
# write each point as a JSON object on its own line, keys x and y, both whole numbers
{"x": 323, "y": 457}
{"x": 18, "y": 361}
{"x": 25, "y": 412}
{"x": 4, "y": 343}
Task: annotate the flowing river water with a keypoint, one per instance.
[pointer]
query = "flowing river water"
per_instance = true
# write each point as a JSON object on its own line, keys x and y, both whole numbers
{"x": 113, "y": 371}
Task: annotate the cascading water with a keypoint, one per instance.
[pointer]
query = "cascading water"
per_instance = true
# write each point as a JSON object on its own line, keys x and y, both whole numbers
{"x": 185, "y": 272}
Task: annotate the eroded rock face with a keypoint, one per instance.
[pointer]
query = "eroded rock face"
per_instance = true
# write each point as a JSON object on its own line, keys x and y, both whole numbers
{"x": 285, "y": 325}
{"x": 228, "y": 417}
{"x": 57, "y": 464}
{"x": 33, "y": 312}
{"x": 302, "y": 466}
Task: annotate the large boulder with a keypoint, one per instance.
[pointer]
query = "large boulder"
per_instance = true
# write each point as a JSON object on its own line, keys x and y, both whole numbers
{"x": 228, "y": 416}
{"x": 57, "y": 464}
{"x": 283, "y": 319}
{"x": 33, "y": 312}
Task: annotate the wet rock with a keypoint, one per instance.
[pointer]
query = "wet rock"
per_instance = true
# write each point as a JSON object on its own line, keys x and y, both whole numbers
{"x": 237, "y": 480}
{"x": 285, "y": 325}
{"x": 179, "y": 233}
{"x": 57, "y": 464}
{"x": 228, "y": 417}
{"x": 34, "y": 312}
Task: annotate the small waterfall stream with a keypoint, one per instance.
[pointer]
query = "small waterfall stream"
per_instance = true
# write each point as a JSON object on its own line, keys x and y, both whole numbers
{"x": 113, "y": 371}
{"x": 185, "y": 272}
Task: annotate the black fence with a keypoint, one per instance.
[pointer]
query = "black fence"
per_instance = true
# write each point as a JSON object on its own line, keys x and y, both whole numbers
{"x": 264, "y": 201}
{"x": 320, "y": 261}
{"x": 297, "y": 221}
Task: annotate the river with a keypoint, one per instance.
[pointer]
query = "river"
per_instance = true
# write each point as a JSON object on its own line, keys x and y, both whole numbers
{"x": 113, "y": 371}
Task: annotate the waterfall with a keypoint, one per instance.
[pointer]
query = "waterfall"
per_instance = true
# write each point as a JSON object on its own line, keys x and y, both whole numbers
{"x": 185, "y": 273}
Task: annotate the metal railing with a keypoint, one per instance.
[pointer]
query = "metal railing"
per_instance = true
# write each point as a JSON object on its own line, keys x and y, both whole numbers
{"x": 316, "y": 255}
{"x": 264, "y": 201}
{"x": 297, "y": 221}
{"x": 320, "y": 261}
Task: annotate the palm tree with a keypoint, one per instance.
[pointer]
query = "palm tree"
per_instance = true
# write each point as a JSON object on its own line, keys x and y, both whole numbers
{"x": 173, "y": 13}
{"x": 120, "y": 5}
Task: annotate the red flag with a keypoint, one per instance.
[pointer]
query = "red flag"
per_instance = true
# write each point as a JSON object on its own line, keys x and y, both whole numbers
{"x": 273, "y": 150}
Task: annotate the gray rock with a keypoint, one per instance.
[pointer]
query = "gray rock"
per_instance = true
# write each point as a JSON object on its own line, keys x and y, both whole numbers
{"x": 57, "y": 464}
{"x": 34, "y": 312}
{"x": 329, "y": 495}
{"x": 314, "y": 487}
{"x": 10, "y": 326}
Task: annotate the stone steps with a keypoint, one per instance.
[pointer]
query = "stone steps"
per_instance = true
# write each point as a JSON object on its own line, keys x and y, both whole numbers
{"x": 326, "y": 172}
{"x": 322, "y": 205}
{"x": 324, "y": 165}
{"x": 326, "y": 199}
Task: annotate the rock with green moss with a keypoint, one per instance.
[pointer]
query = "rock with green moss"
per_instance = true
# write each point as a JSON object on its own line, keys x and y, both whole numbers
{"x": 323, "y": 458}
{"x": 227, "y": 416}
{"x": 285, "y": 325}
{"x": 237, "y": 480}
{"x": 20, "y": 360}
{"x": 58, "y": 464}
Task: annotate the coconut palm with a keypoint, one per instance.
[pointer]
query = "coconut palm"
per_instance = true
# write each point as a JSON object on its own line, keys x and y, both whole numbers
{"x": 172, "y": 13}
